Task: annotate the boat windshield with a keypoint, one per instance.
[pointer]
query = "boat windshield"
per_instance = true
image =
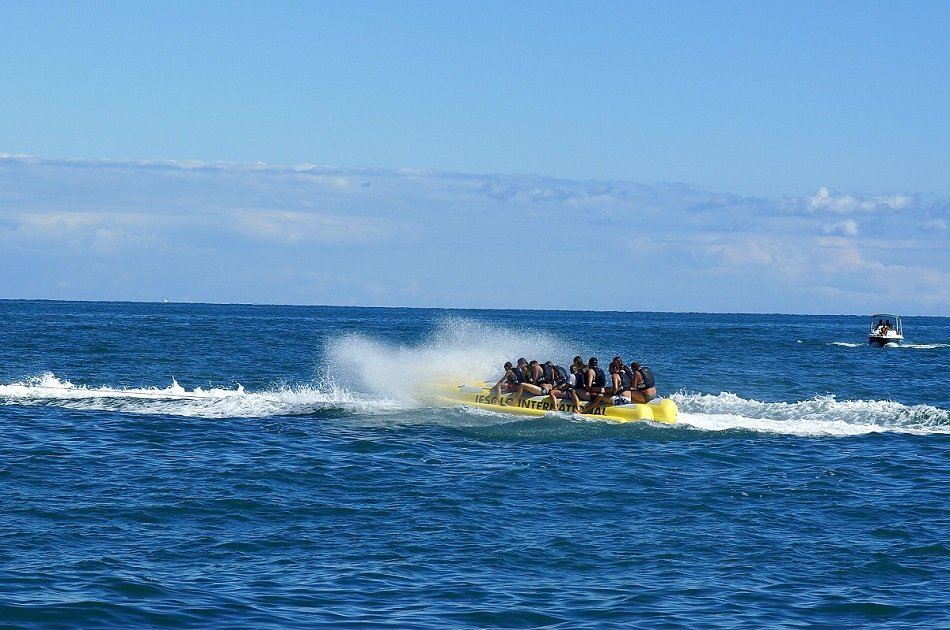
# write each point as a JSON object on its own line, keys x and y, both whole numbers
{"x": 884, "y": 323}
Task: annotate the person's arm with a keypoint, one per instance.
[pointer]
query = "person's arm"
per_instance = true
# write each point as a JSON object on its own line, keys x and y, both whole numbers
{"x": 501, "y": 381}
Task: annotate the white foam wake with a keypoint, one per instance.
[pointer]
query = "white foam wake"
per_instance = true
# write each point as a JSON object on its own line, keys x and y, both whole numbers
{"x": 820, "y": 416}
{"x": 174, "y": 399}
{"x": 359, "y": 375}
{"x": 903, "y": 346}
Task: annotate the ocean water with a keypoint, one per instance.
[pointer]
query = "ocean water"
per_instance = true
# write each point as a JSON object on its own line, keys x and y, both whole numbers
{"x": 192, "y": 466}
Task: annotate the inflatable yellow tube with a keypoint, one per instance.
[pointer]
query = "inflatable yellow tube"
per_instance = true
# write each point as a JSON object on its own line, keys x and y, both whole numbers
{"x": 659, "y": 410}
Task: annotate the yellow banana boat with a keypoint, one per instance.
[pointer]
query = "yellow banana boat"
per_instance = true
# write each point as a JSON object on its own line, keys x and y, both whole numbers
{"x": 658, "y": 410}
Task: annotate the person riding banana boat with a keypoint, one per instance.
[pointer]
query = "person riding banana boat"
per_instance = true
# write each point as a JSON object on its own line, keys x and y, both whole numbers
{"x": 628, "y": 393}
{"x": 545, "y": 379}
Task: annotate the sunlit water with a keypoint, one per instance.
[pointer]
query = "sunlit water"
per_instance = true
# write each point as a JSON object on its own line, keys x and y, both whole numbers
{"x": 175, "y": 465}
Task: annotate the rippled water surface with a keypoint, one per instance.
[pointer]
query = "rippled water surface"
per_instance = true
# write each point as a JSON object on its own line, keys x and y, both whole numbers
{"x": 204, "y": 466}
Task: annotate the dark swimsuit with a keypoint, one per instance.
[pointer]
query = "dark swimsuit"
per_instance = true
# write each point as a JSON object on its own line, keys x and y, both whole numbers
{"x": 648, "y": 382}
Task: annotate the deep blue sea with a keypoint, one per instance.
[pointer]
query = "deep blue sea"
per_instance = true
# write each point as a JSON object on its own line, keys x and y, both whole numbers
{"x": 204, "y": 466}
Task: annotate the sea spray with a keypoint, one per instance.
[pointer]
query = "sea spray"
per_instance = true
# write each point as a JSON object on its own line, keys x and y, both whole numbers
{"x": 459, "y": 351}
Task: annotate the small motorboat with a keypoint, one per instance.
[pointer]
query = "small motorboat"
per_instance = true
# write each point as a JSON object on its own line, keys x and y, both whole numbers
{"x": 885, "y": 330}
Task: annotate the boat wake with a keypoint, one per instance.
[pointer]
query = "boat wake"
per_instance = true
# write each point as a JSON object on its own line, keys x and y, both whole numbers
{"x": 903, "y": 346}
{"x": 819, "y": 416}
{"x": 48, "y": 390}
{"x": 358, "y": 375}
{"x": 823, "y": 416}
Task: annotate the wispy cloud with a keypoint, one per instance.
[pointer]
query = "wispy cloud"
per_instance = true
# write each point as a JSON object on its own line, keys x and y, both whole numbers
{"x": 318, "y": 234}
{"x": 309, "y": 228}
{"x": 848, "y": 227}
{"x": 827, "y": 200}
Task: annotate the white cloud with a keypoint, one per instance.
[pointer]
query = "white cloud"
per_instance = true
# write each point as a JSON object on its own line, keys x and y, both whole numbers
{"x": 743, "y": 254}
{"x": 56, "y": 223}
{"x": 301, "y": 228}
{"x": 848, "y": 227}
{"x": 100, "y": 232}
{"x": 827, "y": 200}
{"x": 837, "y": 255}
{"x": 424, "y": 238}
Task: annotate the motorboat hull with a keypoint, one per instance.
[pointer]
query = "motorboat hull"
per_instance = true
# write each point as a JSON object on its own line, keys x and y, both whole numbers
{"x": 886, "y": 340}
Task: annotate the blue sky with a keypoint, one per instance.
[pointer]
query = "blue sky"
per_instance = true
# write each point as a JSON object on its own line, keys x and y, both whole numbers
{"x": 698, "y": 156}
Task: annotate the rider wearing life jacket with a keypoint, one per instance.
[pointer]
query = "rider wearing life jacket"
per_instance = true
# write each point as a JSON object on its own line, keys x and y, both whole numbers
{"x": 562, "y": 386}
{"x": 512, "y": 380}
{"x": 621, "y": 376}
{"x": 644, "y": 384}
{"x": 559, "y": 376}
{"x": 539, "y": 381}
{"x": 596, "y": 384}
{"x": 579, "y": 371}
{"x": 621, "y": 379}
{"x": 575, "y": 384}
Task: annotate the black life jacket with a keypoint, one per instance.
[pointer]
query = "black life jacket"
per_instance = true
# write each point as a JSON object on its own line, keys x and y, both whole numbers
{"x": 648, "y": 380}
{"x": 519, "y": 376}
{"x": 547, "y": 375}
{"x": 626, "y": 378}
{"x": 599, "y": 379}
{"x": 529, "y": 376}
{"x": 580, "y": 379}
{"x": 560, "y": 374}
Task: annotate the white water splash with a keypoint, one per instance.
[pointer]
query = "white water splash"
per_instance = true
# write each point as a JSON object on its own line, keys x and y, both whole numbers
{"x": 460, "y": 351}
{"x": 174, "y": 399}
{"x": 361, "y": 375}
{"x": 903, "y": 346}
{"x": 820, "y": 416}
